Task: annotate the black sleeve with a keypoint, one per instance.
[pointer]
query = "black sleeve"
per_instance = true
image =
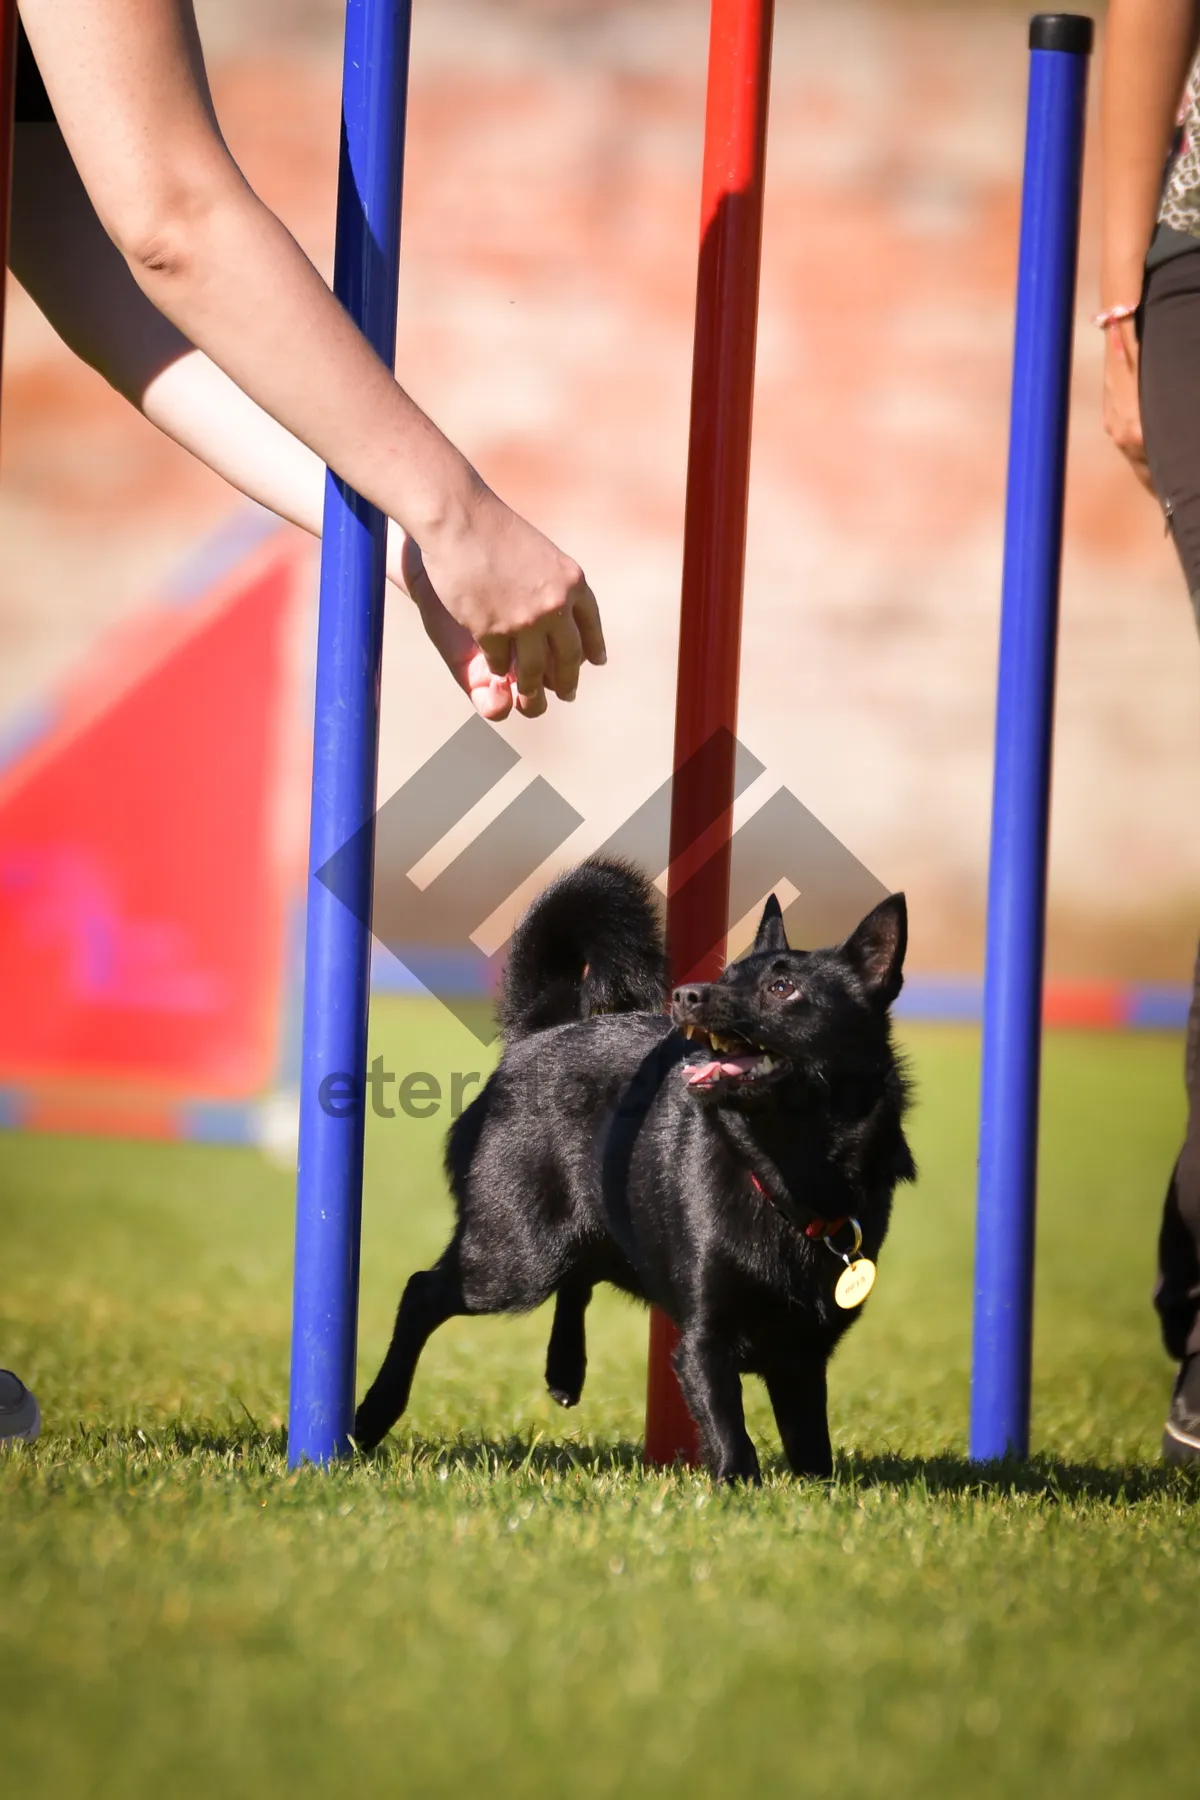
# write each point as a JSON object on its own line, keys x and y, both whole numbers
{"x": 32, "y": 101}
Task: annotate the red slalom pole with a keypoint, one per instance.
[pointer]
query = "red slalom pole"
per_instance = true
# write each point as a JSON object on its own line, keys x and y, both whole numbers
{"x": 8, "y": 78}
{"x": 714, "y": 553}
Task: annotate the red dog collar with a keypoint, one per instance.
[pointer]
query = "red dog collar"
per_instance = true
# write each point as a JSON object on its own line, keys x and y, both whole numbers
{"x": 816, "y": 1228}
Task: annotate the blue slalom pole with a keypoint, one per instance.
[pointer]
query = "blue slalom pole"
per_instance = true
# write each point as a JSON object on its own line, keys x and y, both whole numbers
{"x": 345, "y": 756}
{"x": 1060, "y": 44}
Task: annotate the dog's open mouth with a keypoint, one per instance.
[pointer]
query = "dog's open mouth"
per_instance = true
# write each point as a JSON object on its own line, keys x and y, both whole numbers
{"x": 736, "y": 1061}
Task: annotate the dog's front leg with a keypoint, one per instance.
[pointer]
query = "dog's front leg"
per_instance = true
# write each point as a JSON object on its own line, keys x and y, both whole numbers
{"x": 797, "y": 1390}
{"x": 712, "y": 1387}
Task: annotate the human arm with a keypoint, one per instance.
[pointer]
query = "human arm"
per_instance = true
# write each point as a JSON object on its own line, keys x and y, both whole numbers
{"x": 128, "y": 85}
{"x": 196, "y": 404}
{"x": 69, "y": 266}
{"x": 1148, "y": 48}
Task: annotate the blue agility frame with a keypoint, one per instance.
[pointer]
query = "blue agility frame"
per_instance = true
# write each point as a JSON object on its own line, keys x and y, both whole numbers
{"x": 337, "y": 954}
{"x": 1060, "y": 45}
{"x": 345, "y": 756}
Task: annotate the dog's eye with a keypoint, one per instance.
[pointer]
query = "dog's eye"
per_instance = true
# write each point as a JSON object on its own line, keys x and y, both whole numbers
{"x": 783, "y": 988}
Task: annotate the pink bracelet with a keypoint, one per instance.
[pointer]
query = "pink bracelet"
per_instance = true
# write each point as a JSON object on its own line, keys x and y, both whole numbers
{"x": 1112, "y": 315}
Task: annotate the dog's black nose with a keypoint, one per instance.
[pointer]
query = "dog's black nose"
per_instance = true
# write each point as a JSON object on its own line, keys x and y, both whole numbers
{"x": 687, "y": 996}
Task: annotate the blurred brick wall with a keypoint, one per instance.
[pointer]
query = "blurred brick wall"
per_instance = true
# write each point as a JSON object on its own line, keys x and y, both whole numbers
{"x": 546, "y": 299}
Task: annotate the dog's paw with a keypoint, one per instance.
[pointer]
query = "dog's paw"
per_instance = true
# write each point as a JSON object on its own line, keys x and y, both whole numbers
{"x": 733, "y": 1471}
{"x": 367, "y": 1434}
{"x": 564, "y": 1396}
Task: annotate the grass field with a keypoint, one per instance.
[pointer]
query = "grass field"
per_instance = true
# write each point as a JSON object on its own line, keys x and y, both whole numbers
{"x": 506, "y": 1600}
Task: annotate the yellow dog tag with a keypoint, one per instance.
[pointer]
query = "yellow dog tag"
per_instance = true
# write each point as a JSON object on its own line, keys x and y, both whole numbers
{"x": 855, "y": 1283}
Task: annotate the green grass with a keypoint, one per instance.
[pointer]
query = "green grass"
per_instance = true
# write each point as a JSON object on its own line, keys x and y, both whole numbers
{"x": 506, "y": 1598}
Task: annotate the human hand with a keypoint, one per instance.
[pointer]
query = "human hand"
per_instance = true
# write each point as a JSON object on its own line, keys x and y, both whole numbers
{"x": 490, "y": 695}
{"x": 1122, "y": 408}
{"x": 525, "y": 604}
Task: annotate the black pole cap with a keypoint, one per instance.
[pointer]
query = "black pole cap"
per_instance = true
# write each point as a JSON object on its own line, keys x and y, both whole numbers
{"x": 1061, "y": 31}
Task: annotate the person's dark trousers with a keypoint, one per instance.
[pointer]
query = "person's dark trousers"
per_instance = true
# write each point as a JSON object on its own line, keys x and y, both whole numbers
{"x": 1170, "y": 400}
{"x": 1177, "y": 1290}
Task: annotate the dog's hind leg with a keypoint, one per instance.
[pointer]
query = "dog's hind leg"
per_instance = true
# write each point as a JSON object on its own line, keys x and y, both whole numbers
{"x": 797, "y": 1390}
{"x": 566, "y": 1357}
{"x": 431, "y": 1297}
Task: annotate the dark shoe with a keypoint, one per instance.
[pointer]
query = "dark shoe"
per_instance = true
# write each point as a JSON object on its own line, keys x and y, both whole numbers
{"x": 1181, "y": 1436}
{"x": 20, "y": 1420}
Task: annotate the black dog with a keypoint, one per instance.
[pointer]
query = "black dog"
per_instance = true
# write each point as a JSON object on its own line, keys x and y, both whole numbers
{"x": 699, "y": 1161}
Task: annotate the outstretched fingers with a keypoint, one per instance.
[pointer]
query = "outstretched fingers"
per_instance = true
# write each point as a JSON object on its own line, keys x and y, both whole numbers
{"x": 529, "y": 671}
{"x": 549, "y": 655}
{"x": 565, "y": 647}
{"x": 587, "y": 621}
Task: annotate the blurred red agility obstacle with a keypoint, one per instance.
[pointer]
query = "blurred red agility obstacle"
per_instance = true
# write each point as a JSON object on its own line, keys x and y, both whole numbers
{"x": 151, "y": 861}
{"x": 718, "y": 481}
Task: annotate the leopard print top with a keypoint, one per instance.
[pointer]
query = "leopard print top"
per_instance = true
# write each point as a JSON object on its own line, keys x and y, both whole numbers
{"x": 1180, "y": 206}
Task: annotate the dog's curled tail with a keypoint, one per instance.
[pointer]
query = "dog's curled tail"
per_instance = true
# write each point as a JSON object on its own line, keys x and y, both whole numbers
{"x": 591, "y": 943}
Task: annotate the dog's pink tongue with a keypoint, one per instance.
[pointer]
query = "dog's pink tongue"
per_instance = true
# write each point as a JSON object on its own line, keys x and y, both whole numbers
{"x": 699, "y": 1074}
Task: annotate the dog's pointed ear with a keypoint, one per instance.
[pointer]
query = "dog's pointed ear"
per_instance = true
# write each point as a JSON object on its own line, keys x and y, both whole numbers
{"x": 771, "y": 935}
{"x": 875, "y": 949}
